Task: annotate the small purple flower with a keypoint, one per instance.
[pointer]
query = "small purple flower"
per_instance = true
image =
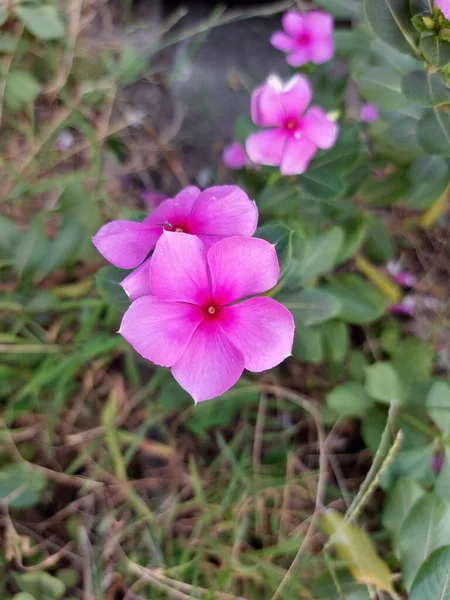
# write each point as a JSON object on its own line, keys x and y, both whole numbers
{"x": 404, "y": 308}
{"x": 437, "y": 462}
{"x": 403, "y": 278}
{"x": 369, "y": 113}
{"x": 234, "y": 156}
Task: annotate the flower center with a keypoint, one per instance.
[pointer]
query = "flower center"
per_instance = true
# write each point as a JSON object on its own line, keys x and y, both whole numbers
{"x": 304, "y": 38}
{"x": 291, "y": 124}
{"x": 212, "y": 311}
{"x": 178, "y": 227}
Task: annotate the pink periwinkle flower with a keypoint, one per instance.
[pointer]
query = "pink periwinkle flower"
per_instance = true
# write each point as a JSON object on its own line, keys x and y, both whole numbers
{"x": 403, "y": 278}
{"x": 214, "y": 214}
{"x": 369, "y": 113}
{"x": 405, "y": 308}
{"x": 293, "y": 137}
{"x": 234, "y": 156}
{"x": 200, "y": 321}
{"x": 307, "y": 37}
{"x": 444, "y": 7}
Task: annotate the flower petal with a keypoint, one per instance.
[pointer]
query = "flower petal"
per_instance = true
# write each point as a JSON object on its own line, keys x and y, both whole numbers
{"x": 266, "y": 108}
{"x": 318, "y": 128}
{"x": 299, "y": 57}
{"x": 241, "y": 267}
{"x": 223, "y": 210}
{"x": 175, "y": 210}
{"x": 319, "y": 24}
{"x": 262, "y": 329}
{"x": 322, "y": 50}
{"x": 296, "y": 95}
{"x": 160, "y": 331}
{"x": 296, "y": 156}
{"x": 293, "y": 23}
{"x": 210, "y": 365}
{"x": 137, "y": 283}
{"x": 125, "y": 244}
{"x": 178, "y": 271}
{"x": 266, "y": 147}
{"x": 444, "y": 6}
{"x": 234, "y": 156}
{"x": 282, "y": 42}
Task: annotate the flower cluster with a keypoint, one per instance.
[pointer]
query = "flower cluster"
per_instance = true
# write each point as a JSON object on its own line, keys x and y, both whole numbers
{"x": 196, "y": 304}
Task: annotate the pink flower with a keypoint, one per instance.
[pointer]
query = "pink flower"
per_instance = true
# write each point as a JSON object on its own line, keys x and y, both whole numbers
{"x": 405, "y": 308}
{"x": 216, "y": 213}
{"x": 199, "y": 322}
{"x": 234, "y": 156}
{"x": 444, "y": 7}
{"x": 306, "y": 37}
{"x": 368, "y": 113}
{"x": 294, "y": 137}
{"x": 403, "y": 278}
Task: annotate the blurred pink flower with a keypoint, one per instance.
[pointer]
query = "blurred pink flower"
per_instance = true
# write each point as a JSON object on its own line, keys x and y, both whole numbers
{"x": 437, "y": 462}
{"x": 444, "y": 6}
{"x": 294, "y": 137}
{"x": 194, "y": 322}
{"x": 217, "y": 212}
{"x": 405, "y": 308}
{"x": 306, "y": 37}
{"x": 153, "y": 198}
{"x": 403, "y": 278}
{"x": 234, "y": 156}
{"x": 369, "y": 113}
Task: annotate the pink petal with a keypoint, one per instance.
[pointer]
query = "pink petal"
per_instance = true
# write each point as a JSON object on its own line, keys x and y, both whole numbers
{"x": 318, "y": 128}
{"x": 241, "y": 267}
{"x": 266, "y": 108}
{"x": 282, "y": 42}
{"x": 234, "y": 156}
{"x": 266, "y": 147}
{"x": 444, "y": 6}
{"x": 223, "y": 210}
{"x": 368, "y": 113}
{"x": 160, "y": 331}
{"x": 210, "y": 365}
{"x": 137, "y": 283}
{"x": 293, "y": 23}
{"x": 296, "y": 156}
{"x": 319, "y": 24}
{"x": 175, "y": 210}
{"x": 299, "y": 57}
{"x": 178, "y": 271}
{"x": 322, "y": 50}
{"x": 296, "y": 95}
{"x": 125, "y": 244}
{"x": 262, "y": 329}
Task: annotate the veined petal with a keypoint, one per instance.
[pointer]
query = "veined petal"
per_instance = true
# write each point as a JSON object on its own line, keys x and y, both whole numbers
{"x": 241, "y": 267}
{"x": 262, "y": 329}
{"x": 160, "y": 331}
{"x": 223, "y": 210}
{"x": 137, "y": 283}
{"x": 296, "y": 156}
{"x": 176, "y": 210}
{"x": 266, "y": 147}
{"x": 282, "y": 41}
{"x": 296, "y": 95}
{"x": 266, "y": 108}
{"x": 125, "y": 244}
{"x": 293, "y": 23}
{"x": 178, "y": 271}
{"x": 318, "y": 128}
{"x": 210, "y": 365}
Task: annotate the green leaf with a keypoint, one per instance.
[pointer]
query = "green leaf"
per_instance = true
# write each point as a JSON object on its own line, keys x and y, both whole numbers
{"x": 442, "y": 484}
{"x": 335, "y": 340}
{"x": 429, "y": 177}
{"x": 421, "y": 6}
{"x": 413, "y": 359}
{"x": 415, "y": 462}
{"x": 343, "y": 156}
{"x": 426, "y": 528}
{"x": 383, "y": 383}
{"x": 308, "y": 345}
{"x": 357, "y": 366}
{"x": 22, "y": 485}
{"x": 31, "y": 247}
{"x": 400, "y": 499}
{"x": 320, "y": 254}
{"x": 381, "y": 85}
{"x": 387, "y": 191}
{"x": 425, "y": 89}
{"x": 391, "y": 21}
{"x": 41, "y": 585}
{"x": 355, "y": 547}
{"x": 378, "y": 244}
{"x": 9, "y": 235}
{"x": 433, "y": 578}
{"x": 349, "y": 400}
{"x": 4, "y": 13}
{"x": 21, "y": 90}
{"x": 60, "y": 248}
{"x": 433, "y": 132}
{"x": 355, "y": 230}
{"x": 44, "y": 22}
{"x": 435, "y": 51}
{"x": 438, "y": 406}
{"x": 108, "y": 285}
{"x": 280, "y": 236}
{"x": 69, "y": 577}
{"x": 131, "y": 66}
{"x": 312, "y": 306}
{"x": 322, "y": 183}
{"x": 342, "y": 9}
{"x": 360, "y": 301}
{"x": 23, "y": 596}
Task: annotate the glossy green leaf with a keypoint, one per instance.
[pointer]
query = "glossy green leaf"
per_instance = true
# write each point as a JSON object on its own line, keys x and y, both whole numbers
{"x": 41, "y": 585}
{"x": 386, "y": 191}
{"x": 357, "y": 365}
{"x": 355, "y": 230}
{"x": 320, "y": 254}
{"x": 21, "y": 90}
{"x": 312, "y": 306}
{"x": 280, "y": 236}
{"x": 44, "y": 22}
{"x": 400, "y": 499}
{"x": 414, "y": 462}
{"x": 349, "y": 400}
{"x": 381, "y": 85}
{"x": 429, "y": 176}
{"x": 413, "y": 359}
{"x": 391, "y": 21}
{"x": 435, "y": 50}
{"x": 108, "y": 285}
{"x": 20, "y": 485}
{"x": 322, "y": 183}
{"x": 360, "y": 301}
{"x": 383, "y": 383}
{"x": 438, "y": 406}
{"x": 343, "y": 155}
{"x": 442, "y": 483}
{"x": 426, "y": 528}
{"x": 433, "y": 132}
{"x": 342, "y": 9}
{"x": 378, "y": 245}
{"x": 335, "y": 340}
{"x": 425, "y": 89}
{"x": 433, "y": 579}
{"x": 308, "y": 344}
{"x": 355, "y": 547}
